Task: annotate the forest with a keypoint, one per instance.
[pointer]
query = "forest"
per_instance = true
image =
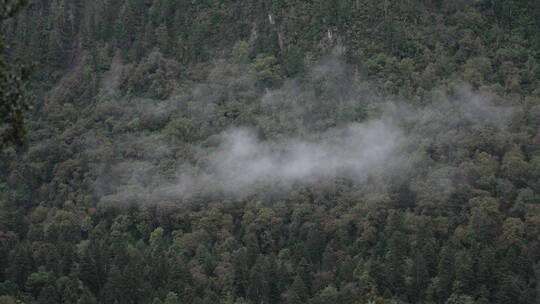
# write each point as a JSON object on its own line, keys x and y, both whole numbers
{"x": 270, "y": 151}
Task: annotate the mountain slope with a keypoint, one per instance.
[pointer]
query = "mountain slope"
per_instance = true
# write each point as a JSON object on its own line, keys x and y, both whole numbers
{"x": 275, "y": 152}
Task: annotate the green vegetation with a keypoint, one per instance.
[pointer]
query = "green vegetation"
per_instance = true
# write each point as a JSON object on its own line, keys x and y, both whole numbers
{"x": 12, "y": 77}
{"x": 130, "y": 189}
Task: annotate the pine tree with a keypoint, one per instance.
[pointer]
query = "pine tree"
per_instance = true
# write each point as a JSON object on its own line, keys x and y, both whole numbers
{"x": 172, "y": 298}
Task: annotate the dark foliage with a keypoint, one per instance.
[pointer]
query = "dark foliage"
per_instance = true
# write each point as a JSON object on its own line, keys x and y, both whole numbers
{"x": 132, "y": 92}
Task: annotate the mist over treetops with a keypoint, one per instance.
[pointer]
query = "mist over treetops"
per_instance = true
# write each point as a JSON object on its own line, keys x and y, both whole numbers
{"x": 322, "y": 151}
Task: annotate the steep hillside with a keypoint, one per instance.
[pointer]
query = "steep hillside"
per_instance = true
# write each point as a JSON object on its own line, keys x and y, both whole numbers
{"x": 274, "y": 152}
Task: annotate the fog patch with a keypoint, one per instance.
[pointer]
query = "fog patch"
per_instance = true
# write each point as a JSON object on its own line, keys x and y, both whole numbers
{"x": 306, "y": 133}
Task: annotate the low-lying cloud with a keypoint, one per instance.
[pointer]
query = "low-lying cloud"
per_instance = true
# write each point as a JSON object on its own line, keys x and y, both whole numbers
{"x": 243, "y": 160}
{"x": 243, "y": 163}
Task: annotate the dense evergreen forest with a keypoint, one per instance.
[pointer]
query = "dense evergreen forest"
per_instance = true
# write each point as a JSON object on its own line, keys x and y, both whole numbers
{"x": 279, "y": 151}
